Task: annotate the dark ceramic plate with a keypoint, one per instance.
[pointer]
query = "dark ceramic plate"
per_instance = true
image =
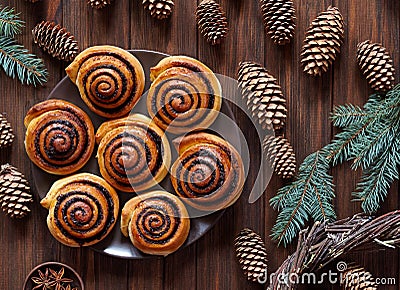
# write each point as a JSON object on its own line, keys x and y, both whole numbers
{"x": 115, "y": 244}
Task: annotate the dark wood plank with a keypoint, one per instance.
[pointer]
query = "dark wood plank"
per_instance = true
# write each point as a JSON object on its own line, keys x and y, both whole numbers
{"x": 384, "y": 29}
{"x": 24, "y": 240}
{"x": 245, "y": 42}
{"x": 168, "y": 36}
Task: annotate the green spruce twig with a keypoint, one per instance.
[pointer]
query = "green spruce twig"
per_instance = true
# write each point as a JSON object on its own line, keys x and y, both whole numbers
{"x": 370, "y": 139}
{"x": 309, "y": 196}
{"x": 10, "y": 23}
{"x": 17, "y": 62}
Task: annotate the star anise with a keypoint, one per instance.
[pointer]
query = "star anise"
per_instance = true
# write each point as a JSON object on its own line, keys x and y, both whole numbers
{"x": 68, "y": 287}
{"x": 59, "y": 278}
{"x": 44, "y": 281}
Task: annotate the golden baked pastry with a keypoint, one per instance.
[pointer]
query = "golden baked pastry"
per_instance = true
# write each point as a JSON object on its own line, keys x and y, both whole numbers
{"x": 83, "y": 209}
{"x": 110, "y": 80}
{"x": 59, "y": 136}
{"x": 157, "y": 222}
{"x": 185, "y": 95}
{"x": 209, "y": 173}
{"x": 133, "y": 154}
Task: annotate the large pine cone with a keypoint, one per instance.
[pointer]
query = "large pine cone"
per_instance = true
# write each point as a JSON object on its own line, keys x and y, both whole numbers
{"x": 252, "y": 255}
{"x": 357, "y": 278}
{"x": 55, "y": 40}
{"x": 280, "y": 154}
{"x": 159, "y": 9}
{"x": 15, "y": 195}
{"x": 279, "y": 20}
{"x": 322, "y": 43}
{"x": 98, "y": 4}
{"x": 377, "y": 65}
{"x": 212, "y": 21}
{"x": 6, "y": 132}
{"x": 264, "y": 95}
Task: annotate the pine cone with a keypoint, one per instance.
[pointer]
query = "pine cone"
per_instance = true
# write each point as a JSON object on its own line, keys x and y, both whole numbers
{"x": 280, "y": 153}
{"x": 15, "y": 195}
{"x": 252, "y": 255}
{"x": 377, "y": 65}
{"x": 6, "y": 132}
{"x": 264, "y": 95}
{"x": 212, "y": 21}
{"x": 99, "y": 4}
{"x": 55, "y": 40}
{"x": 279, "y": 20}
{"x": 322, "y": 43}
{"x": 357, "y": 278}
{"x": 159, "y": 9}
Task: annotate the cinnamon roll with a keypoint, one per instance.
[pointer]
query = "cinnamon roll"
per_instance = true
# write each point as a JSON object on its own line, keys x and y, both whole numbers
{"x": 133, "y": 154}
{"x": 83, "y": 209}
{"x": 157, "y": 222}
{"x": 59, "y": 136}
{"x": 110, "y": 80}
{"x": 209, "y": 173}
{"x": 185, "y": 95}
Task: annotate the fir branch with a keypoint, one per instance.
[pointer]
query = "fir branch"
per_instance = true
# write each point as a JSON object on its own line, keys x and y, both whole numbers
{"x": 376, "y": 139}
{"x": 10, "y": 23}
{"x": 17, "y": 62}
{"x": 366, "y": 132}
{"x": 376, "y": 179}
{"x": 371, "y": 139}
{"x": 309, "y": 196}
{"x": 342, "y": 146}
{"x": 346, "y": 115}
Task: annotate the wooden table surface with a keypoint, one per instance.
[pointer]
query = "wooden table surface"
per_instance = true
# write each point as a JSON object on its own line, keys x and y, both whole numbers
{"x": 209, "y": 263}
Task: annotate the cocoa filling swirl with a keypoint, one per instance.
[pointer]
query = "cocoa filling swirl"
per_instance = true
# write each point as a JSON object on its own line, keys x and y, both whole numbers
{"x": 134, "y": 159}
{"x": 176, "y": 100}
{"x": 158, "y": 220}
{"x": 106, "y": 84}
{"x": 83, "y": 218}
{"x": 208, "y": 172}
{"x": 61, "y": 142}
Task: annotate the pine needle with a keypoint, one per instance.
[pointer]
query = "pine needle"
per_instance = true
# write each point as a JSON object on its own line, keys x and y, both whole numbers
{"x": 17, "y": 62}
{"x": 10, "y": 23}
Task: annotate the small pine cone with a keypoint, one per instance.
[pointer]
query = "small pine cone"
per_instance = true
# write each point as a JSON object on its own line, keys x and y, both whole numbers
{"x": 357, "y": 278}
{"x": 15, "y": 195}
{"x": 252, "y": 255}
{"x": 6, "y": 132}
{"x": 160, "y": 9}
{"x": 55, "y": 40}
{"x": 212, "y": 21}
{"x": 322, "y": 43}
{"x": 99, "y": 4}
{"x": 280, "y": 154}
{"x": 264, "y": 95}
{"x": 32, "y": 1}
{"x": 377, "y": 65}
{"x": 279, "y": 20}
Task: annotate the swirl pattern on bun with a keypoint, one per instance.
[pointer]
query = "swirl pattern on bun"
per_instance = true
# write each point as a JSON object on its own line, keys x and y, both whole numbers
{"x": 110, "y": 80}
{"x": 157, "y": 222}
{"x": 83, "y": 209}
{"x": 209, "y": 173}
{"x": 59, "y": 136}
{"x": 133, "y": 154}
{"x": 185, "y": 95}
